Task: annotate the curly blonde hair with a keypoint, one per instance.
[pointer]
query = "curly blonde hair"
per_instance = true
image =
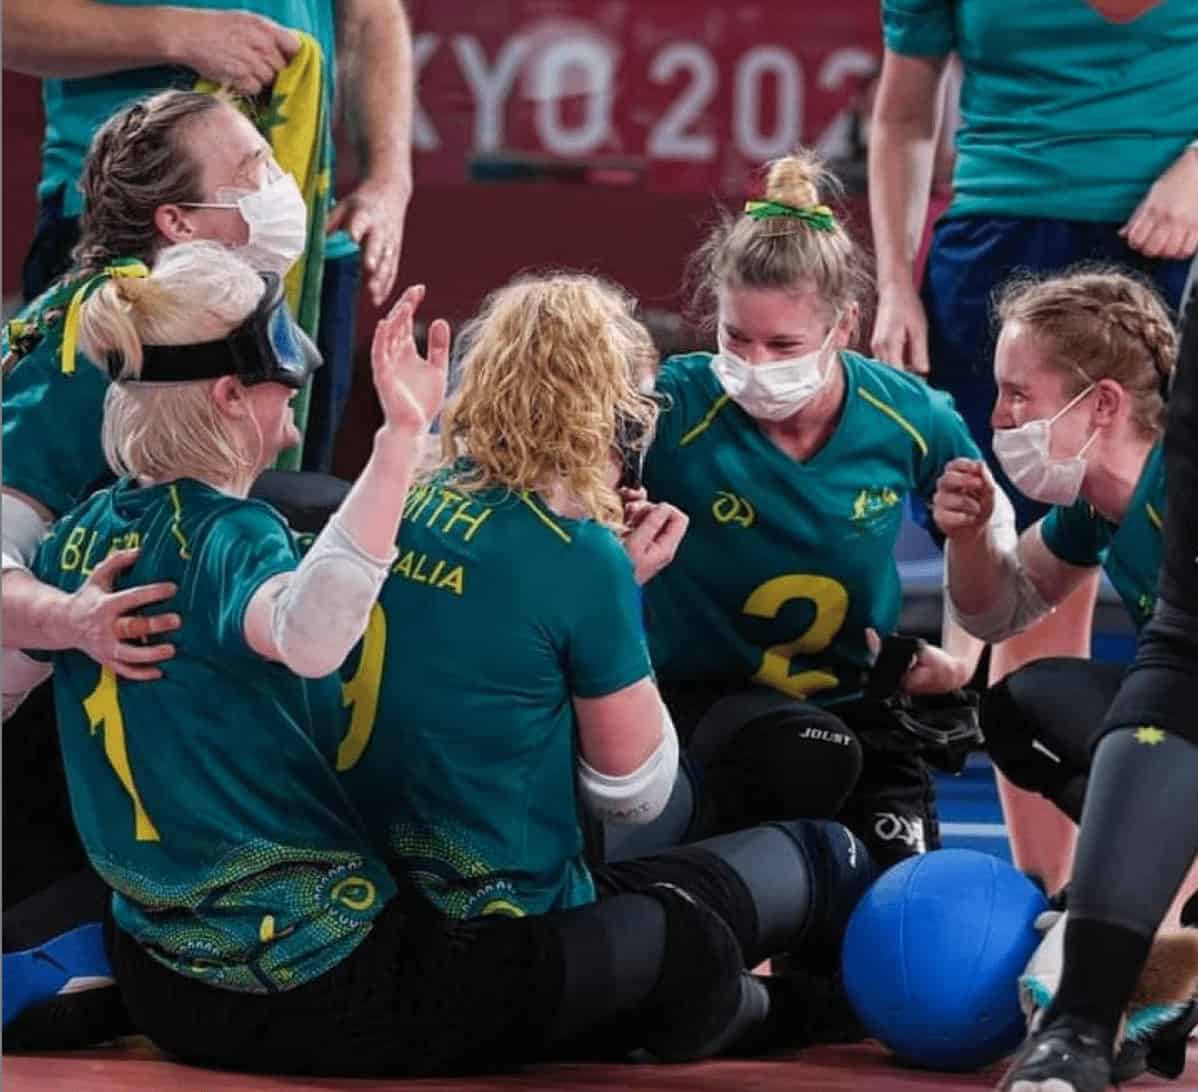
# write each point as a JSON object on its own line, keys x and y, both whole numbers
{"x": 1100, "y": 322}
{"x": 551, "y": 363}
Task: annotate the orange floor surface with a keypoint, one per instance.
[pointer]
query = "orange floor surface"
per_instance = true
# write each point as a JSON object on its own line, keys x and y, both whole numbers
{"x": 135, "y": 1066}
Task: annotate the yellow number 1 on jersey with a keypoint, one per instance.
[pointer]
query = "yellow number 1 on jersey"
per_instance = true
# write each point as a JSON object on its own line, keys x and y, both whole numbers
{"x": 831, "y": 602}
{"x": 104, "y": 711}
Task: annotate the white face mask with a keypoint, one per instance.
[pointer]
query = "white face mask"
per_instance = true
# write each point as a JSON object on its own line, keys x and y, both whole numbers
{"x": 277, "y": 218}
{"x": 777, "y": 390}
{"x": 1023, "y": 453}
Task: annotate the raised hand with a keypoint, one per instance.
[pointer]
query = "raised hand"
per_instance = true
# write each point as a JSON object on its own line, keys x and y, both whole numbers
{"x": 411, "y": 390}
{"x": 964, "y": 499}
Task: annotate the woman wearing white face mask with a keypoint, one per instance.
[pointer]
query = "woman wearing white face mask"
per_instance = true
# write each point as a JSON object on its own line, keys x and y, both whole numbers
{"x": 793, "y": 458}
{"x": 1082, "y": 362}
{"x": 148, "y": 167}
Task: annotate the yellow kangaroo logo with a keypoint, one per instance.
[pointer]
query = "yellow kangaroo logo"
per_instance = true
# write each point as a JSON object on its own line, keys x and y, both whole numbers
{"x": 873, "y": 502}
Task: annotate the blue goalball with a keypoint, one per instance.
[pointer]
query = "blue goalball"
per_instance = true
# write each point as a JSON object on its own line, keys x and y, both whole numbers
{"x": 933, "y": 954}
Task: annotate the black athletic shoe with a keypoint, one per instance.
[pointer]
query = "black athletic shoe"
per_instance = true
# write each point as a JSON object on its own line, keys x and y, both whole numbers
{"x": 1061, "y": 1058}
{"x": 1162, "y": 1053}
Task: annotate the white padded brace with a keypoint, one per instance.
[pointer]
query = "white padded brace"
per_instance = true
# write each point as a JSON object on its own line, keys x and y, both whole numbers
{"x": 1019, "y": 603}
{"x": 18, "y": 676}
{"x": 637, "y": 797}
{"x": 323, "y": 610}
{"x": 22, "y": 527}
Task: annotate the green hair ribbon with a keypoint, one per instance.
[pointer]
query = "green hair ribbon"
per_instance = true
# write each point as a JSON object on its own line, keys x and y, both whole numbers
{"x": 122, "y": 267}
{"x": 819, "y": 217}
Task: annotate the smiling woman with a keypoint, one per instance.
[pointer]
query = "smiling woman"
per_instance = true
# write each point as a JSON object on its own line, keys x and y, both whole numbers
{"x": 792, "y": 454}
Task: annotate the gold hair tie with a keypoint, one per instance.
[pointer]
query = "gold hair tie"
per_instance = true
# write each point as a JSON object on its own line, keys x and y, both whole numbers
{"x": 122, "y": 267}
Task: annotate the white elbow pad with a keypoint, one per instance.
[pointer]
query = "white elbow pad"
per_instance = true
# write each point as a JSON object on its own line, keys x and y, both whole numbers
{"x": 637, "y": 797}
{"x": 22, "y": 527}
{"x": 323, "y": 611}
{"x": 1019, "y": 604}
{"x": 19, "y": 674}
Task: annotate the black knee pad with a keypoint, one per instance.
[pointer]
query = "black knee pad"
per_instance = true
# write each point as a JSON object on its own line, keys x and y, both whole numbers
{"x": 698, "y": 994}
{"x": 795, "y": 762}
{"x": 1016, "y": 749}
{"x": 841, "y": 870}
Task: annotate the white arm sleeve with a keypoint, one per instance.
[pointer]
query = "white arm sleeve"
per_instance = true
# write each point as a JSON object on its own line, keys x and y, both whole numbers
{"x": 1019, "y": 603}
{"x": 18, "y": 676}
{"x": 22, "y": 527}
{"x": 638, "y": 797}
{"x": 323, "y": 610}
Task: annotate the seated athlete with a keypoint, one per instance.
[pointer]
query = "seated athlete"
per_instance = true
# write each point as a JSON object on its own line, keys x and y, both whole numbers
{"x": 1082, "y": 364}
{"x": 793, "y": 457}
{"x": 503, "y": 693}
{"x": 150, "y": 178}
{"x": 252, "y": 925}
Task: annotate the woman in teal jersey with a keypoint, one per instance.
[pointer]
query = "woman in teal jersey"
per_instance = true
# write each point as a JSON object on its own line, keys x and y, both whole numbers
{"x": 503, "y": 695}
{"x": 1081, "y": 366}
{"x": 794, "y": 457}
{"x": 251, "y": 926}
{"x": 1077, "y": 143}
{"x": 147, "y": 168}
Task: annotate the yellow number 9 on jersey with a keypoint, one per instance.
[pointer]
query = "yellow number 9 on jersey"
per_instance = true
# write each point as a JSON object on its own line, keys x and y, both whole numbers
{"x": 831, "y": 602}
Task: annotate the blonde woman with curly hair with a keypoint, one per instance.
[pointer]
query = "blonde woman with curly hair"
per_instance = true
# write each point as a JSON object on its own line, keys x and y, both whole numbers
{"x": 503, "y": 695}
{"x": 253, "y": 924}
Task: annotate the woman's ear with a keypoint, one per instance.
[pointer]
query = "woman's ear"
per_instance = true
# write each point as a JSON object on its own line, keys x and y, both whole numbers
{"x": 229, "y": 397}
{"x": 174, "y": 224}
{"x": 844, "y": 333}
{"x": 1110, "y": 402}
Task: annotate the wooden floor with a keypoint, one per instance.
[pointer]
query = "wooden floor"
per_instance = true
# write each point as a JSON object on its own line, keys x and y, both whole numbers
{"x": 135, "y": 1066}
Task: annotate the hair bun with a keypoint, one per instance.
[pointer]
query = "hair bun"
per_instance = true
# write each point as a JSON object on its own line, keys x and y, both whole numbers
{"x": 795, "y": 179}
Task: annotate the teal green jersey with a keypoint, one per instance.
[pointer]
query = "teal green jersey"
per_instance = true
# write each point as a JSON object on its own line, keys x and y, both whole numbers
{"x": 786, "y": 563}
{"x": 462, "y": 743}
{"x": 52, "y": 419}
{"x": 76, "y": 108}
{"x": 1130, "y": 551}
{"x": 1063, "y": 114}
{"x": 207, "y": 799}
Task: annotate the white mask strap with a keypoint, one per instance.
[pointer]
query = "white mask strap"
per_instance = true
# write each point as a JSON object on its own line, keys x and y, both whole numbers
{"x": 1069, "y": 405}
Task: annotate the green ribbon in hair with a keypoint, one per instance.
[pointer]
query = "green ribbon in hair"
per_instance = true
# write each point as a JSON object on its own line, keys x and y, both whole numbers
{"x": 122, "y": 267}
{"x": 819, "y": 217}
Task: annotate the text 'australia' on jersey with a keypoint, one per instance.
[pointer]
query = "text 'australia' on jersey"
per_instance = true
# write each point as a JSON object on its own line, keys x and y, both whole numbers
{"x": 207, "y": 799}
{"x": 786, "y": 563}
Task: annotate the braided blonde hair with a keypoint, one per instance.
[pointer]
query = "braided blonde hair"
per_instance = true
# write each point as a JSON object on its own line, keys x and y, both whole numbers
{"x": 1101, "y": 323}
{"x": 137, "y": 162}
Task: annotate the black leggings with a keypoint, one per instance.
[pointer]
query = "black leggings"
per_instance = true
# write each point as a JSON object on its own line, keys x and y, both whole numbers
{"x": 1139, "y": 831}
{"x": 423, "y": 994}
{"x": 1043, "y": 721}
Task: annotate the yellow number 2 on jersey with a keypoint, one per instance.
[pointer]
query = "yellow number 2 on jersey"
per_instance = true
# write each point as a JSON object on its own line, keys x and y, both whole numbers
{"x": 831, "y": 602}
{"x": 104, "y": 711}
